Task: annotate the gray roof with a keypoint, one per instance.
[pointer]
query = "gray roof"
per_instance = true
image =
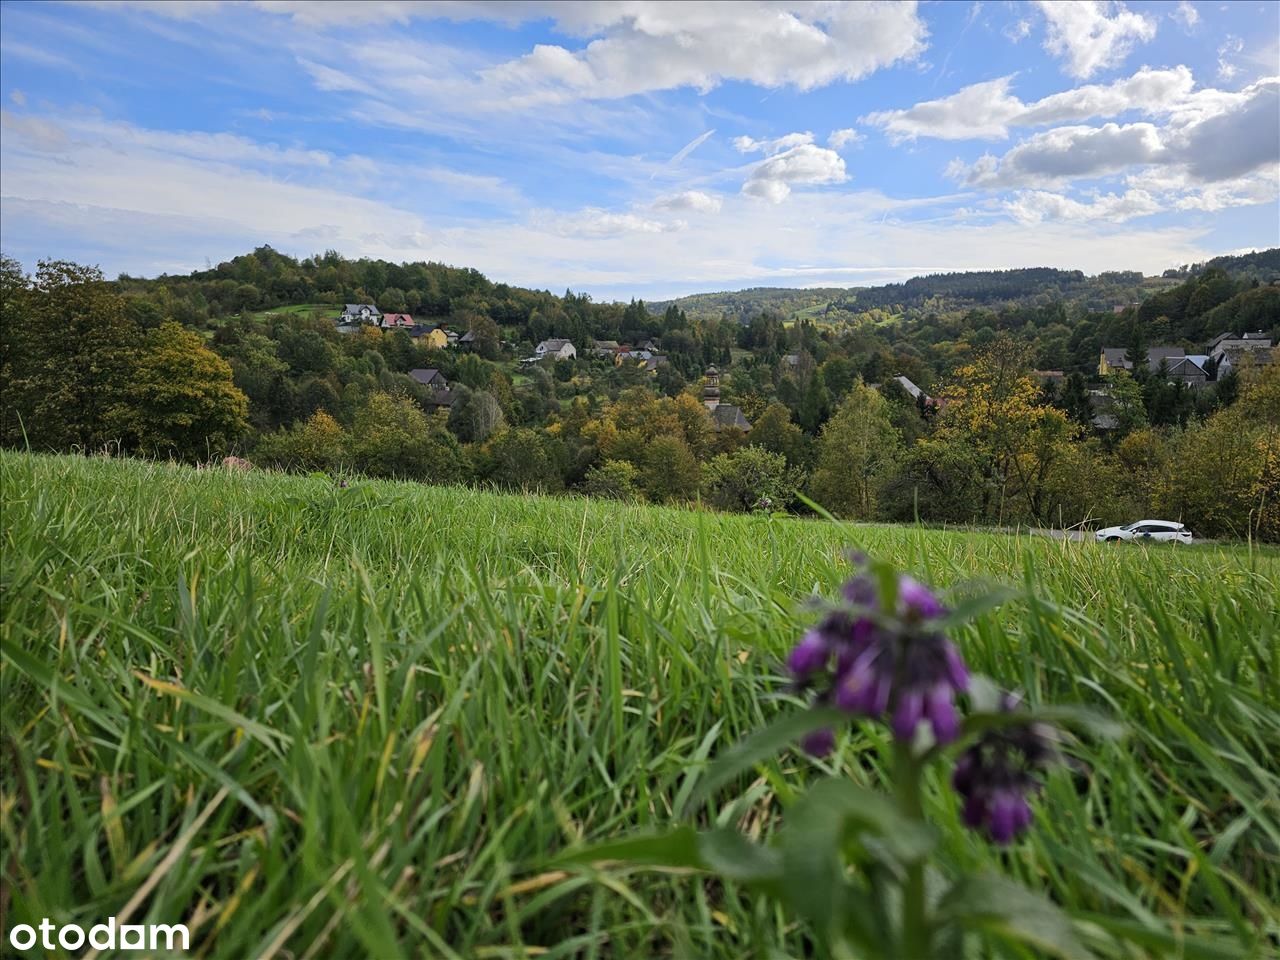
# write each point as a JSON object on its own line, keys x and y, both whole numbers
{"x": 727, "y": 415}
{"x": 354, "y": 308}
{"x": 428, "y": 376}
{"x": 1181, "y": 364}
{"x": 552, "y": 346}
{"x": 910, "y": 387}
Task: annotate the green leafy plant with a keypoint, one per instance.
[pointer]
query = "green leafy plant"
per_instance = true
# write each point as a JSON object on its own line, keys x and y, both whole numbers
{"x": 861, "y": 866}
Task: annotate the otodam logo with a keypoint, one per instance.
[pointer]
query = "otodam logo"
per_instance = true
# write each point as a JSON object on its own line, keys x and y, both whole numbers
{"x": 108, "y": 935}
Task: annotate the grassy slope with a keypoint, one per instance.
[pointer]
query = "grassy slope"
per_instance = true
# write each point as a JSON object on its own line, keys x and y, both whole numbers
{"x": 393, "y": 703}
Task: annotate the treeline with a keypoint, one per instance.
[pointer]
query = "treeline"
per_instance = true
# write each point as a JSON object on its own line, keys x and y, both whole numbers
{"x": 91, "y": 364}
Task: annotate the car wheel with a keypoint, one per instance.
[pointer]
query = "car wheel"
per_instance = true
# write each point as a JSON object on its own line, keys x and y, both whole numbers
{"x": 1112, "y": 539}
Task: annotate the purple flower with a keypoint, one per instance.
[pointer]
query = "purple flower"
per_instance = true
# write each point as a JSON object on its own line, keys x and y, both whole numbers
{"x": 865, "y": 662}
{"x": 810, "y": 654}
{"x": 916, "y": 601}
{"x": 819, "y": 743}
{"x": 998, "y": 773}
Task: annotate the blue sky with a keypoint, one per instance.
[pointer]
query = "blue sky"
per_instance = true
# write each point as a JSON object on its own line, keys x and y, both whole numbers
{"x": 638, "y": 148}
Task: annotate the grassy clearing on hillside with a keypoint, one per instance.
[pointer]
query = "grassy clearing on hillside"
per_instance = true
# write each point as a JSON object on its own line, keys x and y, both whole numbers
{"x": 365, "y": 719}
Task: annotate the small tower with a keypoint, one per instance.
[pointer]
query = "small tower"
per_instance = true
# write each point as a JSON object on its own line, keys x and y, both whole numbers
{"x": 711, "y": 392}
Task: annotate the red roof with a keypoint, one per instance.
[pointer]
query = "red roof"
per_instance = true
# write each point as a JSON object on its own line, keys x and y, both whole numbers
{"x": 397, "y": 320}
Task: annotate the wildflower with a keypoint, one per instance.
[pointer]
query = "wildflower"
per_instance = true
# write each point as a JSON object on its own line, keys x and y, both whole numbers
{"x": 819, "y": 743}
{"x": 874, "y": 664}
{"x": 996, "y": 775}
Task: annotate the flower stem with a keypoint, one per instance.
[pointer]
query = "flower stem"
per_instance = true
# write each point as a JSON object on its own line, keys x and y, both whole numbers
{"x": 915, "y": 924}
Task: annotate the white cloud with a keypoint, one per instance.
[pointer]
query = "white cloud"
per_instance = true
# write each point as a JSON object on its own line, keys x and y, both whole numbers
{"x": 1186, "y": 14}
{"x": 1219, "y": 138}
{"x": 597, "y": 222}
{"x": 1092, "y": 35}
{"x": 1178, "y": 190}
{"x": 693, "y": 200}
{"x": 1036, "y": 206}
{"x": 1017, "y": 31}
{"x": 640, "y": 47}
{"x": 839, "y": 139}
{"x": 804, "y": 164}
{"x": 987, "y": 110}
{"x": 746, "y": 144}
{"x": 1231, "y": 47}
{"x": 1069, "y": 153}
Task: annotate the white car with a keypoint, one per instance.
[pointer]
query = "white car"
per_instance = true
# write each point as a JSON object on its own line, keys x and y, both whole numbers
{"x": 1162, "y": 530}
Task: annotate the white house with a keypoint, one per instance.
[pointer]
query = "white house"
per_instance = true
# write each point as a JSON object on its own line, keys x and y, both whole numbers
{"x": 360, "y": 313}
{"x": 559, "y": 349}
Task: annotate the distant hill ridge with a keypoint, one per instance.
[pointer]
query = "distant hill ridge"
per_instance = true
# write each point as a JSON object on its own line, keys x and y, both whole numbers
{"x": 975, "y": 288}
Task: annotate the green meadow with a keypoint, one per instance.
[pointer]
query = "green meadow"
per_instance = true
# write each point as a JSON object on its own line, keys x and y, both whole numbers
{"x": 315, "y": 721}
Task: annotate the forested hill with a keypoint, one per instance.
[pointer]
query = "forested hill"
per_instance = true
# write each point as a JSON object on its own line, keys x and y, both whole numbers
{"x": 991, "y": 289}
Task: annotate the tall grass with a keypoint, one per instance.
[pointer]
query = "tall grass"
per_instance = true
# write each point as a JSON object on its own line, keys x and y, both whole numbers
{"x": 322, "y": 722}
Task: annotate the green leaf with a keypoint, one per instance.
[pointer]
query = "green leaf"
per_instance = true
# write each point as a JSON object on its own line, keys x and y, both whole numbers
{"x": 724, "y": 852}
{"x": 993, "y": 905}
{"x": 813, "y": 844}
{"x": 734, "y": 857}
{"x": 1161, "y": 941}
{"x": 761, "y": 745}
{"x": 834, "y": 807}
{"x": 666, "y": 848}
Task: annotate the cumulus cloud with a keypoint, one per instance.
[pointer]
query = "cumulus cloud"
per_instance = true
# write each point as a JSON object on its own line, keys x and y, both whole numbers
{"x": 646, "y": 46}
{"x": 692, "y": 200}
{"x": 746, "y": 144}
{"x": 839, "y": 139}
{"x": 1091, "y": 35}
{"x": 987, "y": 110}
{"x": 1239, "y": 135}
{"x": 805, "y": 164}
{"x": 1068, "y": 153}
{"x": 1036, "y": 206}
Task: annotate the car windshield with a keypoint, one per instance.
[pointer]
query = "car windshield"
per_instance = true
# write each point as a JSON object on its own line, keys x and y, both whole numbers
{"x": 1129, "y": 526}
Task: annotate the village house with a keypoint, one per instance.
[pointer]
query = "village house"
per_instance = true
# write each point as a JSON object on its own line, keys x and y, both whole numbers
{"x": 605, "y": 348}
{"x": 401, "y": 320}
{"x": 430, "y": 377}
{"x": 436, "y": 338}
{"x": 1228, "y": 349}
{"x": 358, "y": 313}
{"x": 557, "y": 349}
{"x": 441, "y": 394}
{"x": 1113, "y": 359}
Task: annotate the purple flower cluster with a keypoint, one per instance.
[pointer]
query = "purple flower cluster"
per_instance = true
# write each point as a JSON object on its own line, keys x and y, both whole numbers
{"x": 997, "y": 774}
{"x": 896, "y": 664}
{"x": 873, "y": 662}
